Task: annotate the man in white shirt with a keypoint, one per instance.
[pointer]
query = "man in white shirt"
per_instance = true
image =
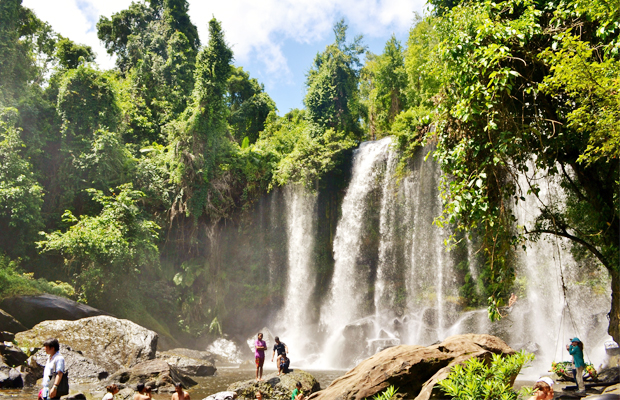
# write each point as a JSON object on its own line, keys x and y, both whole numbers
{"x": 54, "y": 370}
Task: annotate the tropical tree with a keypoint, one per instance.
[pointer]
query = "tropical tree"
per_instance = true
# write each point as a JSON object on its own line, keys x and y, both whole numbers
{"x": 510, "y": 114}
{"x": 332, "y": 99}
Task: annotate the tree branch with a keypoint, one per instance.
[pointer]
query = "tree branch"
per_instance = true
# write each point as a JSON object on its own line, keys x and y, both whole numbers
{"x": 575, "y": 239}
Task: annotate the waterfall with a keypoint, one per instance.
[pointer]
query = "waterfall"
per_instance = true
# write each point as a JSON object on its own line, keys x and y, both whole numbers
{"x": 350, "y": 281}
{"x": 394, "y": 282}
{"x": 300, "y": 223}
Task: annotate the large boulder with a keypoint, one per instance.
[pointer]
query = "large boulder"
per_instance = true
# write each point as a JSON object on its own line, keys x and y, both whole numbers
{"x": 30, "y": 310}
{"x": 79, "y": 367}
{"x": 414, "y": 370}
{"x": 8, "y": 323}
{"x": 108, "y": 342}
{"x": 155, "y": 373}
{"x": 276, "y": 387}
{"x": 191, "y": 353}
{"x": 188, "y": 365}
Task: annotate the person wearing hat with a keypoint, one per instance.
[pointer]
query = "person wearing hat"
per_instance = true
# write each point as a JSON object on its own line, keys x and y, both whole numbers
{"x": 575, "y": 349}
{"x": 543, "y": 389}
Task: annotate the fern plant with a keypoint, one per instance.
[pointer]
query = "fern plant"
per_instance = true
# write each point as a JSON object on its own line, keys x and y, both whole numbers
{"x": 387, "y": 394}
{"x": 474, "y": 380}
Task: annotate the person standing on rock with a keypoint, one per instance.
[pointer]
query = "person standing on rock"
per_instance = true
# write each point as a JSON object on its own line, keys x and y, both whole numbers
{"x": 576, "y": 350}
{"x": 54, "y": 370}
{"x": 279, "y": 348}
{"x": 259, "y": 353}
{"x": 180, "y": 394}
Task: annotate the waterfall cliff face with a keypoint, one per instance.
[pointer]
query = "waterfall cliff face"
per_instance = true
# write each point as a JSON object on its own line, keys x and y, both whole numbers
{"x": 392, "y": 281}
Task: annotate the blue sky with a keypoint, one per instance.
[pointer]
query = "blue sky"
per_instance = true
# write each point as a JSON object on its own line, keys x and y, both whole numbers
{"x": 274, "y": 40}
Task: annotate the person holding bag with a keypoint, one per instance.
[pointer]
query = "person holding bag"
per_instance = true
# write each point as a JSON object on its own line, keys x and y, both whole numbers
{"x": 55, "y": 380}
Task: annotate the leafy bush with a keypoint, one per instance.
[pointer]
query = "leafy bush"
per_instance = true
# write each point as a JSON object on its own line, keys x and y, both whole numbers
{"x": 475, "y": 380}
{"x": 14, "y": 282}
{"x": 387, "y": 394}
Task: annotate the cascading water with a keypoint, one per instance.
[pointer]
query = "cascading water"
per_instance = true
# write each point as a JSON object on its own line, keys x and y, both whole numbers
{"x": 394, "y": 282}
{"x": 300, "y": 221}
{"x": 350, "y": 281}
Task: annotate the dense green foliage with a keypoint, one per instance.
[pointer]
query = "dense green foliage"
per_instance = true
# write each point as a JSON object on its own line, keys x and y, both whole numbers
{"x": 133, "y": 174}
{"x": 479, "y": 380}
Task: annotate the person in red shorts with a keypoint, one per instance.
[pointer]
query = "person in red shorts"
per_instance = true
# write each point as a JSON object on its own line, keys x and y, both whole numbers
{"x": 260, "y": 346}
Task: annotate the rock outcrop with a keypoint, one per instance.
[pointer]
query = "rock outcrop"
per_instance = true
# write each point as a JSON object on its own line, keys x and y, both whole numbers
{"x": 31, "y": 310}
{"x": 108, "y": 342}
{"x": 189, "y": 365}
{"x": 10, "y": 377}
{"x": 190, "y": 353}
{"x": 276, "y": 387}
{"x": 8, "y": 323}
{"x": 79, "y": 367}
{"x": 13, "y": 356}
{"x": 155, "y": 373}
{"x": 414, "y": 370}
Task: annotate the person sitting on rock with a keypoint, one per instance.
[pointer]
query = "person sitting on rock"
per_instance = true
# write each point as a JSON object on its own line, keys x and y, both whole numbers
{"x": 543, "y": 389}
{"x": 54, "y": 370}
{"x": 180, "y": 394}
{"x": 297, "y": 393}
{"x": 112, "y": 390}
{"x": 283, "y": 364}
{"x": 142, "y": 393}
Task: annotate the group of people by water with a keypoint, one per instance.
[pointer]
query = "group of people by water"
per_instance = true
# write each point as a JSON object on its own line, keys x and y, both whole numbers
{"x": 282, "y": 361}
{"x": 55, "y": 378}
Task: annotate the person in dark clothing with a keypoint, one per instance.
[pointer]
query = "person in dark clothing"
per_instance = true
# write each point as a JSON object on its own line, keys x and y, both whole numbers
{"x": 279, "y": 348}
{"x": 283, "y": 363}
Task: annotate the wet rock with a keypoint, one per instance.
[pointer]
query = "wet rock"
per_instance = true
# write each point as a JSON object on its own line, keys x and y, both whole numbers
{"x": 6, "y": 336}
{"x": 75, "y": 396}
{"x": 32, "y": 310}
{"x": 12, "y": 355}
{"x": 276, "y": 387}
{"x": 415, "y": 370}
{"x": 79, "y": 367}
{"x": 355, "y": 336}
{"x": 108, "y": 342}
{"x": 191, "y": 353}
{"x": 10, "y": 377}
{"x": 155, "y": 373}
{"x": 226, "y": 351}
{"x": 611, "y": 374}
{"x": 188, "y": 365}
{"x": 9, "y": 323}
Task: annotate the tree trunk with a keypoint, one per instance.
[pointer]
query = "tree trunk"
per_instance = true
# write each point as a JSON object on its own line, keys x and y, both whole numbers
{"x": 614, "y": 313}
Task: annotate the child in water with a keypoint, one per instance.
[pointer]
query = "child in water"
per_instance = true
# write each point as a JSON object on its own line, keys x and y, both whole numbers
{"x": 543, "y": 389}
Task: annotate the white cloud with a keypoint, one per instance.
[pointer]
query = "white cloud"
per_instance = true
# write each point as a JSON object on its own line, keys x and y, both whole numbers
{"x": 255, "y": 29}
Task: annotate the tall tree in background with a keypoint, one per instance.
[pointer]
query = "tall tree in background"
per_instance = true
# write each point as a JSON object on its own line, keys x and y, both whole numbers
{"x": 156, "y": 47}
{"x": 383, "y": 85}
{"x": 332, "y": 99}
{"x": 249, "y": 106}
